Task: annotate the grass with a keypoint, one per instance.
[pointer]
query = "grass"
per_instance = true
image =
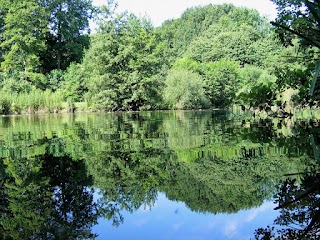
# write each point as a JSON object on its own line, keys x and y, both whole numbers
{"x": 34, "y": 101}
{"x": 37, "y": 101}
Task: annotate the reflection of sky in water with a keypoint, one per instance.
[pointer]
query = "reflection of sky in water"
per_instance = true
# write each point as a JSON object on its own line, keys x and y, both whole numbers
{"x": 173, "y": 220}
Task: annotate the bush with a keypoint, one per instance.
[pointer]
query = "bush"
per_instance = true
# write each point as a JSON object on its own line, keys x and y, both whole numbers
{"x": 11, "y": 84}
{"x": 55, "y": 80}
{"x": 184, "y": 90}
{"x": 249, "y": 75}
{"x": 5, "y": 104}
{"x": 74, "y": 87}
{"x": 221, "y": 81}
{"x": 262, "y": 91}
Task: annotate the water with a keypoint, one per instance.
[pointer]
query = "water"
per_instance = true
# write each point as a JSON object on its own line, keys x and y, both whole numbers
{"x": 152, "y": 175}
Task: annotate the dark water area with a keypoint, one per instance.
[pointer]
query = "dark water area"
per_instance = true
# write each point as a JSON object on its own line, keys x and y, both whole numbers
{"x": 157, "y": 175}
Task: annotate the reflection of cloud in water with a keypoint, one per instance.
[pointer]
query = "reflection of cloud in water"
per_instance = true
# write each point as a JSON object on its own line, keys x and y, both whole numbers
{"x": 230, "y": 229}
{"x": 140, "y": 222}
{"x": 263, "y": 208}
{"x": 177, "y": 226}
{"x": 211, "y": 225}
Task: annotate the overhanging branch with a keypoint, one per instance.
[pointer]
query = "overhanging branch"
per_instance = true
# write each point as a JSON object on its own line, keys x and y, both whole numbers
{"x": 296, "y": 33}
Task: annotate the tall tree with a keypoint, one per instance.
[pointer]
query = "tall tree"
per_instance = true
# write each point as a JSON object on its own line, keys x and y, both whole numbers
{"x": 69, "y": 26}
{"x": 124, "y": 59}
{"x": 23, "y": 39}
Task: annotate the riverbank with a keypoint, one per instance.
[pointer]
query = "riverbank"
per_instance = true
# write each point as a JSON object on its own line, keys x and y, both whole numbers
{"x": 82, "y": 107}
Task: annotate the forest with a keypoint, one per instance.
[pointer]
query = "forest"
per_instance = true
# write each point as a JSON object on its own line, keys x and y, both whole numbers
{"x": 214, "y": 56}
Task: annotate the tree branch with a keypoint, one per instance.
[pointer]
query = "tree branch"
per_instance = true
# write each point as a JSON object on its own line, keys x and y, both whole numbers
{"x": 296, "y": 33}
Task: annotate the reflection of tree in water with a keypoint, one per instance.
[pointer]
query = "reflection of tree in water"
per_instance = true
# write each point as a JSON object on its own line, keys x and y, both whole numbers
{"x": 47, "y": 198}
{"x": 299, "y": 205}
{"x": 127, "y": 180}
{"x": 75, "y": 211}
{"x": 213, "y": 168}
{"x": 214, "y": 185}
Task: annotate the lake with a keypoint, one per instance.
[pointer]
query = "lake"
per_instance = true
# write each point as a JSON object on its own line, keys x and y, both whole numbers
{"x": 148, "y": 175}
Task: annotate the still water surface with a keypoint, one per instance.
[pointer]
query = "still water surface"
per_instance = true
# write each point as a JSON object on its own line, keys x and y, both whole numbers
{"x": 148, "y": 175}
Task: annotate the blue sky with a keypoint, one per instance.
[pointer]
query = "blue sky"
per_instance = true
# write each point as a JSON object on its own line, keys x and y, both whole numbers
{"x": 159, "y": 11}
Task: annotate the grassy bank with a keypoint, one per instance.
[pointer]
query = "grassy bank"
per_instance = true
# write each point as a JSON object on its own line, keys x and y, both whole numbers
{"x": 34, "y": 101}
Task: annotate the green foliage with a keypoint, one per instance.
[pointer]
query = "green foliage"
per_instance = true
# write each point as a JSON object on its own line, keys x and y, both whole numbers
{"x": 222, "y": 43}
{"x": 40, "y": 36}
{"x": 124, "y": 60}
{"x": 23, "y": 36}
{"x": 67, "y": 38}
{"x": 221, "y": 81}
{"x": 218, "y": 81}
{"x": 55, "y": 79}
{"x": 15, "y": 84}
{"x": 127, "y": 61}
{"x": 249, "y": 75}
{"x": 233, "y": 44}
{"x": 194, "y": 22}
{"x": 262, "y": 91}
{"x": 30, "y": 102}
{"x": 298, "y": 18}
{"x": 187, "y": 63}
{"x": 5, "y": 104}
{"x": 190, "y": 92}
{"x": 74, "y": 86}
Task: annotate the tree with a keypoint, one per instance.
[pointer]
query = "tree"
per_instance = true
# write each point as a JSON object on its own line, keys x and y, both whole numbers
{"x": 301, "y": 19}
{"x": 24, "y": 29}
{"x": 124, "y": 58}
{"x": 257, "y": 87}
{"x": 221, "y": 81}
{"x": 74, "y": 86}
{"x": 236, "y": 43}
{"x": 189, "y": 94}
{"x": 67, "y": 38}
{"x": 194, "y": 23}
{"x": 2, "y": 23}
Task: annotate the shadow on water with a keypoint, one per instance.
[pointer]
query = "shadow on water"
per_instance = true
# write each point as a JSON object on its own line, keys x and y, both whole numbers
{"x": 60, "y": 174}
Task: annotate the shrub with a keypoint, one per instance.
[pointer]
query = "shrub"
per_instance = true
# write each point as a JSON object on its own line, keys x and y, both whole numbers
{"x": 262, "y": 91}
{"x": 184, "y": 90}
{"x": 55, "y": 80}
{"x": 74, "y": 87}
{"x": 221, "y": 81}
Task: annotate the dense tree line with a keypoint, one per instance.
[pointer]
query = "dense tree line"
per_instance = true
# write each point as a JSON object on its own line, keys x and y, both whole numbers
{"x": 211, "y": 57}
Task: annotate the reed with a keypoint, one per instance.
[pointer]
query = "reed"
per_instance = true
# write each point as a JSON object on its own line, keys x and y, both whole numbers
{"x": 34, "y": 101}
